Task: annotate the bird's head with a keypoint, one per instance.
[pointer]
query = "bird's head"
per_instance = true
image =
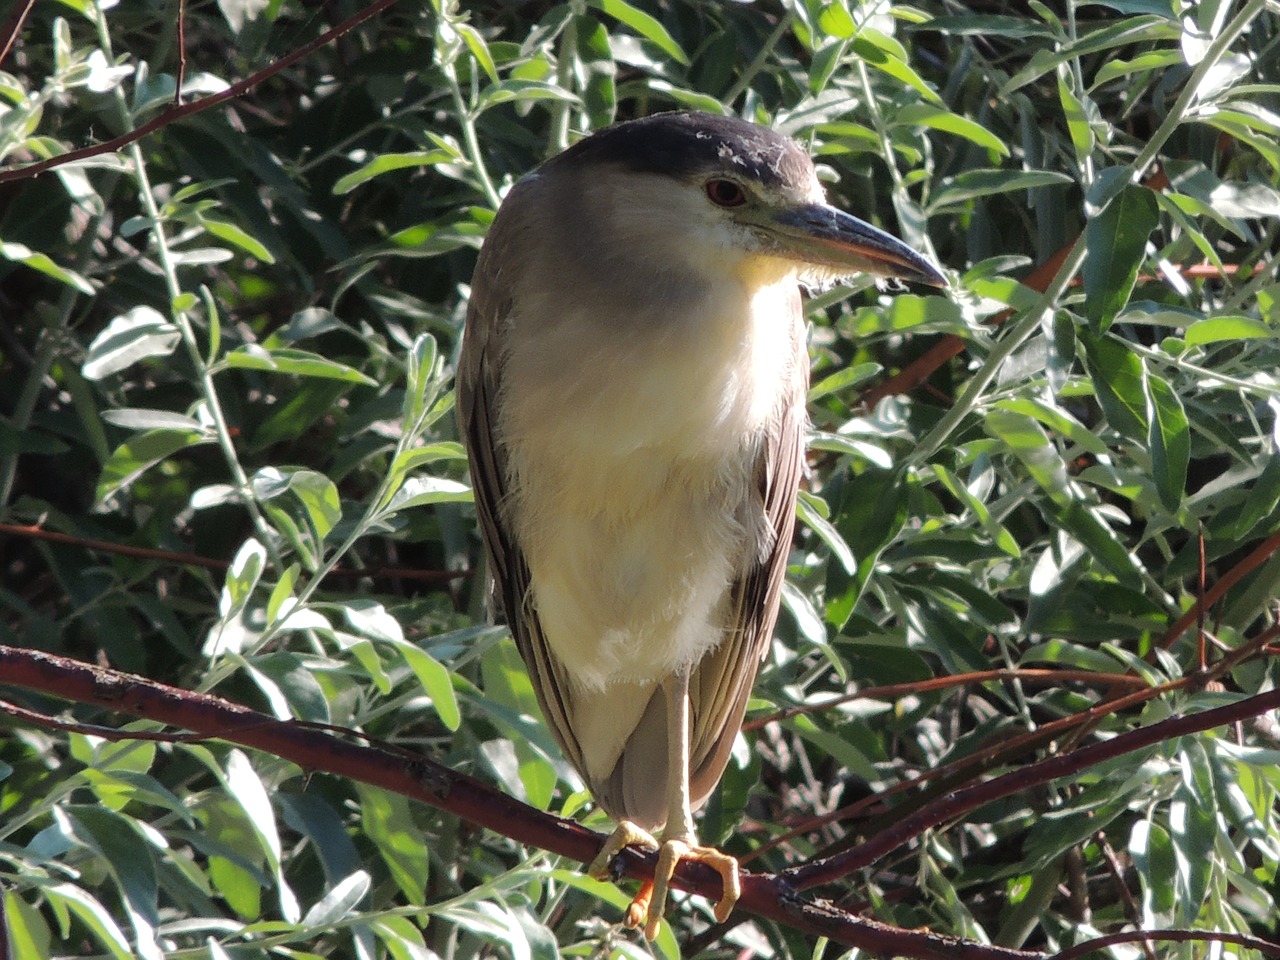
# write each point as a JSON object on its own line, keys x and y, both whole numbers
{"x": 718, "y": 193}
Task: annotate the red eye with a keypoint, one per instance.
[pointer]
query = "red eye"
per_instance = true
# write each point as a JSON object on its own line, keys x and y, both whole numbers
{"x": 725, "y": 193}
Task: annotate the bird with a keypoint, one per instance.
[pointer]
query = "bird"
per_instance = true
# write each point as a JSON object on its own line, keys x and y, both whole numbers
{"x": 631, "y": 392}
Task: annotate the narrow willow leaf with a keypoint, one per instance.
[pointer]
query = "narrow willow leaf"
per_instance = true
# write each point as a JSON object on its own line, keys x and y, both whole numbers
{"x": 807, "y": 511}
{"x": 297, "y": 362}
{"x": 872, "y": 47}
{"x": 237, "y": 238}
{"x": 1219, "y": 329}
{"x": 387, "y": 162}
{"x": 133, "y": 336}
{"x": 937, "y": 118}
{"x": 138, "y": 454}
{"x": 843, "y": 379}
{"x": 1116, "y": 241}
{"x": 20, "y": 253}
{"x": 972, "y": 184}
{"x": 645, "y": 25}
{"x": 1169, "y": 440}
{"x": 1118, "y": 374}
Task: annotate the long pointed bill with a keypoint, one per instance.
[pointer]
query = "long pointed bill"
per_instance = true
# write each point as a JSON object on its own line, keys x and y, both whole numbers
{"x": 819, "y": 234}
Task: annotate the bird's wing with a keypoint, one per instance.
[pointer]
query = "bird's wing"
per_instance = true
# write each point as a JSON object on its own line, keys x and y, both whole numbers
{"x": 722, "y": 681}
{"x": 479, "y": 373}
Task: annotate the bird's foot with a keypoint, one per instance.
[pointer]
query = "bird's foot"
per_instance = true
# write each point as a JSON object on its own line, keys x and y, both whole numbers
{"x": 624, "y": 835}
{"x": 669, "y": 856}
{"x": 650, "y": 903}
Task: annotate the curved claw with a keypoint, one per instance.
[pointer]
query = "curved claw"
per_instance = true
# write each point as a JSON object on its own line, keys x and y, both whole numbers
{"x": 669, "y": 857}
{"x": 624, "y": 835}
{"x": 649, "y": 905}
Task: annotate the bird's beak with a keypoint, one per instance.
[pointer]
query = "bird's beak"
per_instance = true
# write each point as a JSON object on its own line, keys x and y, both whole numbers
{"x": 820, "y": 234}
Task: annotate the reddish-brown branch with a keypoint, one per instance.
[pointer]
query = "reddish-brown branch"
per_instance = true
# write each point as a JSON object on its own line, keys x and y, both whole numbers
{"x": 893, "y": 691}
{"x": 438, "y": 786}
{"x": 923, "y": 367}
{"x": 180, "y": 559}
{"x": 1147, "y": 937}
{"x": 197, "y": 106}
{"x": 13, "y": 26}
{"x": 944, "y": 809}
{"x": 1072, "y": 726}
{"x": 1223, "y": 584}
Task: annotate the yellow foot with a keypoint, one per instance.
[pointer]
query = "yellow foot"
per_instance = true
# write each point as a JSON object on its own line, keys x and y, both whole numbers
{"x": 651, "y": 902}
{"x": 669, "y": 857}
{"x": 625, "y": 835}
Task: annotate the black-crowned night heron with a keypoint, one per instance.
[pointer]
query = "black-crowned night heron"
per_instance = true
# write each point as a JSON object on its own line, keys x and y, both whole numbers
{"x": 632, "y": 395}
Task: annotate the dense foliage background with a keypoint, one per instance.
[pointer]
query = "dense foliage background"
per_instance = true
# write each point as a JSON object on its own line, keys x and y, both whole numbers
{"x": 228, "y": 461}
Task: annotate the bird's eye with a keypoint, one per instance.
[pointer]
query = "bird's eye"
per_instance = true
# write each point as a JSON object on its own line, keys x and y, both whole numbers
{"x": 725, "y": 193}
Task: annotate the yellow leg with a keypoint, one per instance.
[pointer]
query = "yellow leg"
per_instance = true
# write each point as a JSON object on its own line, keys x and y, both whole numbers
{"x": 679, "y": 839}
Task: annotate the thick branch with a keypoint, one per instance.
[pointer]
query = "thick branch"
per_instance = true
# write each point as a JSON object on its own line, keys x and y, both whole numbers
{"x": 422, "y": 779}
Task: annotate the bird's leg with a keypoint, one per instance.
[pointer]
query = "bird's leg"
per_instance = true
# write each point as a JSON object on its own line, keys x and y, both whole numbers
{"x": 679, "y": 840}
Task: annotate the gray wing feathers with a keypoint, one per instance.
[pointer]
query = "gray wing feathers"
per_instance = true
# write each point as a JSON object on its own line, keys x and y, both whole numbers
{"x": 477, "y": 389}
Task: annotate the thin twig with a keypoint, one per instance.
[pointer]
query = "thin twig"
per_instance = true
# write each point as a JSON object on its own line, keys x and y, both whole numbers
{"x": 162, "y": 120}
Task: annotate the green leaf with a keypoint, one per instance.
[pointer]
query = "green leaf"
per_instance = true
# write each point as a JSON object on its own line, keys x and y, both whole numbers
{"x": 937, "y": 118}
{"x": 130, "y": 337}
{"x": 1143, "y": 63}
{"x": 1059, "y": 421}
{"x": 138, "y": 454}
{"x": 972, "y": 184}
{"x": 123, "y": 850}
{"x": 808, "y": 510}
{"x": 882, "y": 53}
{"x": 436, "y": 682}
{"x": 237, "y": 238}
{"x": 479, "y": 49}
{"x": 872, "y": 510}
{"x": 1118, "y": 376}
{"x": 242, "y": 577}
{"x": 1116, "y": 240}
{"x": 387, "y": 819}
{"x": 844, "y": 379}
{"x": 95, "y": 917}
{"x": 1077, "y": 117}
{"x": 132, "y": 418}
{"x": 645, "y": 25}
{"x": 1169, "y": 440}
{"x": 1128, "y": 30}
{"x": 1259, "y": 503}
{"x": 998, "y": 534}
{"x": 423, "y": 491}
{"x": 292, "y": 361}
{"x": 314, "y": 491}
{"x": 340, "y": 902}
{"x": 20, "y": 253}
{"x": 1220, "y": 329}
{"x": 523, "y": 91}
{"x": 387, "y": 162}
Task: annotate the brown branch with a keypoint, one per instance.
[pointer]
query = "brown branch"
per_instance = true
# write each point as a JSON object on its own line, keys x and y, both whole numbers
{"x": 894, "y": 690}
{"x": 1073, "y": 726}
{"x": 197, "y": 106}
{"x": 178, "y": 558}
{"x": 833, "y": 868}
{"x": 1220, "y": 587}
{"x": 924, "y": 366}
{"x": 1146, "y": 937}
{"x": 13, "y": 26}
{"x": 422, "y": 779}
